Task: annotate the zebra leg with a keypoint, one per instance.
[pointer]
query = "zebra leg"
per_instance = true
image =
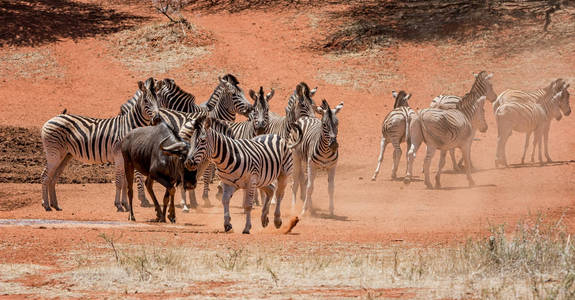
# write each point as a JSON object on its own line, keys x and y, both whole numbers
{"x": 172, "y": 215}
{"x": 279, "y": 192}
{"x": 527, "y": 137}
{"x": 416, "y": 140}
{"x": 442, "y": 155}
{"x": 331, "y": 186}
{"x": 268, "y": 193}
{"x": 141, "y": 191}
{"x": 382, "y": 145}
{"x": 228, "y": 191}
{"x": 503, "y": 133}
{"x": 453, "y": 160}
{"x": 307, "y": 204}
{"x": 539, "y": 144}
{"x": 396, "y": 158}
{"x": 546, "y": 144}
{"x": 426, "y": 162}
{"x": 54, "y": 167}
{"x": 466, "y": 151}
{"x": 207, "y": 178}
{"x": 297, "y": 178}
{"x": 183, "y": 201}
{"x": 120, "y": 179}
{"x": 129, "y": 169}
{"x": 256, "y": 200}
{"x": 149, "y": 187}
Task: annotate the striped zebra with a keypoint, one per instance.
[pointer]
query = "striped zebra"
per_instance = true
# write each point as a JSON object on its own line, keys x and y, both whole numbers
{"x": 531, "y": 97}
{"x": 527, "y": 116}
{"x": 226, "y": 101}
{"x": 301, "y": 108}
{"x": 246, "y": 164}
{"x": 318, "y": 150}
{"x": 93, "y": 140}
{"x": 445, "y": 129}
{"x": 481, "y": 87}
{"x": 395, "y": 129}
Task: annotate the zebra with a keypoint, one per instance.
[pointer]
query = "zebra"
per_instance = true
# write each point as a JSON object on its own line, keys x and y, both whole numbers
{"x": 395, "y": 129}
{"x": 246, "y": 164}
{"x": 302, "y": 108}
{"x": 226, "y": 101}
{"x": 445, "y": 129}
{"x": 481, "y": 87}
{"x": 530, "y": 97}
{"x": 318, "y": 150}
{"x": 528, "y": 116}
{"x": 94, "y": 141}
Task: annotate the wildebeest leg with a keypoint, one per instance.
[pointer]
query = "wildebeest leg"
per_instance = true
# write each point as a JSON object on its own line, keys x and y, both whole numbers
{"x": 426, "y": 162}
{"x": 172, "y": 214}
{"x": 149, "y": 185}
{"x": 268, "y": 193}
{"x": 527, "y": 137}
{"x": 228, "y": 191}
{"x": 129, "y": 172}
{"x": 331, "y": 187}
{"x": 442, "y": 155}
{"x": 382, "y": 146}
{"x": 165, "y": 202}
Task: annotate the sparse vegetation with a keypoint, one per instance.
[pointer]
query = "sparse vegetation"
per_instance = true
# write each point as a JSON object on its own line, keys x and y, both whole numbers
{"x": 157, "y": 48}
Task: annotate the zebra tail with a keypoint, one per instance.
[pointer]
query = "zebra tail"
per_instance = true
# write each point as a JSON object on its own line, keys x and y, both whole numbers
{"x": 407, "y": 135}
{"x": 300, "y": 136}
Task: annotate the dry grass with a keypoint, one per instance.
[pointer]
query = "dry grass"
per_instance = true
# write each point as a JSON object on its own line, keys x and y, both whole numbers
{"x": 536, "y": 260}
{"x": 158, "y": 48}
{"x": 38, "y": 64}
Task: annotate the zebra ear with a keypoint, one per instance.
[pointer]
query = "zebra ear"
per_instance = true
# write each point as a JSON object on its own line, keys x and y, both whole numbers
{"x": 312, "y": 92}
{"x": 475, "y": 74}
{"x": 253, "y": 95}
{"x": 270, "y": 95}
{"x": 488, "y": 76}
{"x": 207, "y": 123}
{"x": 141, "y": 86}
{"x": 407, "y": 97}
{"x": 338, "y": 107}
{"x": 298, "y": 91}
{"x": 394, "y": 94}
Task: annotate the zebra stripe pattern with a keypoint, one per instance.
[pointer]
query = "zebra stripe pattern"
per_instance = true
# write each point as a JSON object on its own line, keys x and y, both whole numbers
{"x": 94, "y": 141}
{"x": 530, "y": 113}
{"x": 244, "y": 164}
{"x": 318, "y": 150}
{"x": 395, "y": 130}
{"x": 445, "y": 129}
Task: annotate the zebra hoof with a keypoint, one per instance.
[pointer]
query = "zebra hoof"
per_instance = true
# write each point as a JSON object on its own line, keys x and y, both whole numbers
{"x": 278, "y": 223}
{"x": 119, "y": 209}
{"x": 246, "y": 231}
{"x": 227, "y": 227}
{"x": 145, "y": 204}
{"x": 406, "y": 180}
{"x": 265, "y": 221}
{"x": 429, "y": 185}
{"x": 47, "y": 208}
{"x": 132, "y": 218}
{"x": 172, "y": 219}
{"x": 373, "y": 178}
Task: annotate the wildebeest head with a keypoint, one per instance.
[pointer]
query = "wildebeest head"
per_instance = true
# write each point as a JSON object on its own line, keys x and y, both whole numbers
{"x": 180, "y": 151}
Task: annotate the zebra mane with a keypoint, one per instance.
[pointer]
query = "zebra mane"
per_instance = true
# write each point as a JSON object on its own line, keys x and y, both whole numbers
{"x": 221, "y": 127}
{"x": 171, "y": 84}
{"x": 400, "y": 100}
{"x": 231, "y": 79}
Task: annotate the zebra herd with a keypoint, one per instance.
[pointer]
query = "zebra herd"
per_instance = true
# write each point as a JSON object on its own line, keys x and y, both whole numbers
{"x": 257, "y": 154}
{"x": 450, "y": 122}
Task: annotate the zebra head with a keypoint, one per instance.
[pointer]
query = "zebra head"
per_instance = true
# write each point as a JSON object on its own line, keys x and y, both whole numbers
{"x": 329, "y": 123}
{"x": 478, "y": 120}
{"x": 195, "y": 131}
{"x": 400, "y": 99}
{"x": 564, "y": 101}
{"x": 260, "y": 114}
{"x": 148, "y": 102}
{"x": 483, "y": 87}
{"x": 231, "y": 91}
{"x": 305, "y": 104}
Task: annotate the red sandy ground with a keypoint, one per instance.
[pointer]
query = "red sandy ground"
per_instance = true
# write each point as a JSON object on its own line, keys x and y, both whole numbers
{"x": 269, "y": 48}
